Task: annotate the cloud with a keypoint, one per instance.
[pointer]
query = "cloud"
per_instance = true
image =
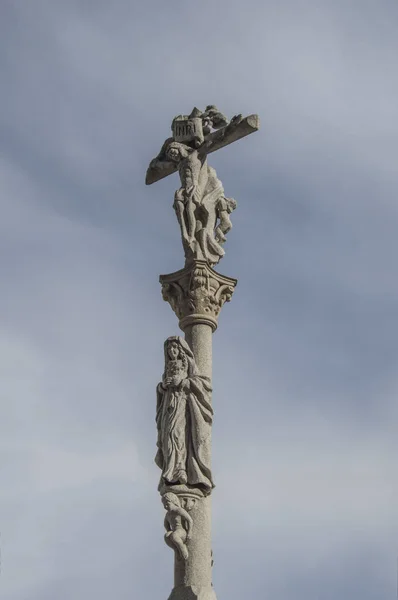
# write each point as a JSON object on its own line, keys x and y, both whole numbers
{"x": 305, "y": 355}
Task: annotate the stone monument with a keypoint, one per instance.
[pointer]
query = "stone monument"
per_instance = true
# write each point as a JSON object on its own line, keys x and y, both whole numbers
{"x": 196, "y": 293}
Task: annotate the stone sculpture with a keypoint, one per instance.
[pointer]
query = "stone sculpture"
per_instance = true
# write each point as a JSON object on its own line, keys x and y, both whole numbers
{"x": 196, "y": 293}
{"x": 178, "y": 524}
{"x": 184, "y": 416}
{"x": 200, "y": 204}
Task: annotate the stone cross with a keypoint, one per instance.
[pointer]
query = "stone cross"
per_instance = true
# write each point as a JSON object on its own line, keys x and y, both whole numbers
{"x": 196, "y": 293}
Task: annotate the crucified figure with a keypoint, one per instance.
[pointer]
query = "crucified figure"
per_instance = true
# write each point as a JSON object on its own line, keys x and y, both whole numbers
{"x": 202, "y": 209}
{"x": 200, "y": 204}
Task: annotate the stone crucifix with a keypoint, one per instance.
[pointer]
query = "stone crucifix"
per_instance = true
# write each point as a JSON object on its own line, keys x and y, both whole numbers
{"x": 196, "y": 293}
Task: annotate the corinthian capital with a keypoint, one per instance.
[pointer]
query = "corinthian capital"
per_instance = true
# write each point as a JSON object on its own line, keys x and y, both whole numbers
{"x": 197, "y": 293}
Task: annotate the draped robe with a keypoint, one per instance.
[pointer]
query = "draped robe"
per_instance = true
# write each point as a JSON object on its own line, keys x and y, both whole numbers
{"x": 184, "y": 417}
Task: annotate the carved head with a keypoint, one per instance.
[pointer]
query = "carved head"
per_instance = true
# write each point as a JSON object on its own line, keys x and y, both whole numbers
{"x": 173, "y": 350}
{"x": 173, "y": 154}
{"x": 176, "y": 347}
{"x": 169, "y": 500}
{"x": 176, "y": 151}
{"x": 231, "y": 204}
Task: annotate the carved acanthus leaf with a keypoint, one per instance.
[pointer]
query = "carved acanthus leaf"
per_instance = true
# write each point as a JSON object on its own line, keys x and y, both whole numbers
{"x": 197, "y": 293}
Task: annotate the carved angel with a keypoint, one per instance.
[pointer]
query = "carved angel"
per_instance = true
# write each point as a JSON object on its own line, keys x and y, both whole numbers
{"x": 184, "y": 417}
{"x": 178, "y": 524}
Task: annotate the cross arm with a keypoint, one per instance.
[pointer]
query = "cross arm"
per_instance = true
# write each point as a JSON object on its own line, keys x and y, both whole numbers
{"x": 235, "y": 130}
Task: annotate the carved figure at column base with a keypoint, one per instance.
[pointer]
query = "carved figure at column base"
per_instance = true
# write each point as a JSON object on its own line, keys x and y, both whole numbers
{"x": 178, "y": 524}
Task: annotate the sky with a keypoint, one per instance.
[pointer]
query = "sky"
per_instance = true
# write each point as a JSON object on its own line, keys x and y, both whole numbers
{"x": 305, "y": 382}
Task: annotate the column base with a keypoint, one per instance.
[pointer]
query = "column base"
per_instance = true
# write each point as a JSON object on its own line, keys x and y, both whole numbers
{"x": 193, "y": 592}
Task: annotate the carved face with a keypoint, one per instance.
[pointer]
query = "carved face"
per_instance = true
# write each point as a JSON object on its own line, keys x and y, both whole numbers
{"x": 167, "y": 503}
{"x": 173, "y": 154}
{"x": 173, "y": 350}
{"x": 207, "y": 125}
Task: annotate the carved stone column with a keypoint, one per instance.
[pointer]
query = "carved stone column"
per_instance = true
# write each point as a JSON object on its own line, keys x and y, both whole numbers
{"x": 196, "y": 294}
{"x": 184, "y": 413}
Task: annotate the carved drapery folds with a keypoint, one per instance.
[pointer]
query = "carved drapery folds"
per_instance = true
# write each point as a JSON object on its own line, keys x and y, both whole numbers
{"x": 202, "y": 209}
{"x": 197, "y": 293}
{"x": 183, "y": 417}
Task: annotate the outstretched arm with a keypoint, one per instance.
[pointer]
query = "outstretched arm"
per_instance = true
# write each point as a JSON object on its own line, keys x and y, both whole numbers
{"x": 236, "y": 129}
{"x": 159, "y": 166}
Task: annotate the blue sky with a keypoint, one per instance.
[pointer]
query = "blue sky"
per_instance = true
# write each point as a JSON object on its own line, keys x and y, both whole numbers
{"x": 305, "y": 438}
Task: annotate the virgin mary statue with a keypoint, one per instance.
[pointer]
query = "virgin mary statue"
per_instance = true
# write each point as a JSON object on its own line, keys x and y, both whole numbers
{"x": 183, "y": 416}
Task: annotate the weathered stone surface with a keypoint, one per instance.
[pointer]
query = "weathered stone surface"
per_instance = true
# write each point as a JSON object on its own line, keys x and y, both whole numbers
{"x": 184, "y": 416}
{"x": 197, "y": 294}
{"x": 194, "y": 575}
{"x": 218, "y": 139}
{"x": 193, "y": 593}
{"x": 178, "y": 524}
{"x": 202, "y": 209}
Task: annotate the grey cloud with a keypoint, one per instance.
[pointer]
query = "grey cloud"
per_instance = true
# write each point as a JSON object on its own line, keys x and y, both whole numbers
{"x": 304, "y": 437}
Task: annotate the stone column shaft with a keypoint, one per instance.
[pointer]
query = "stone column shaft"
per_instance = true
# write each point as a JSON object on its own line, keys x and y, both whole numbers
{"x": 199, "y": 337}
{"x": 193, "y": 577}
